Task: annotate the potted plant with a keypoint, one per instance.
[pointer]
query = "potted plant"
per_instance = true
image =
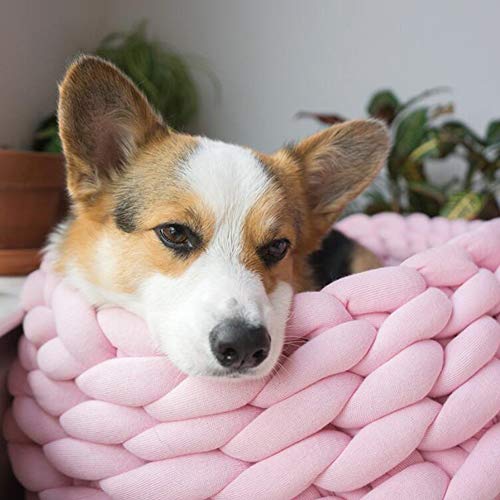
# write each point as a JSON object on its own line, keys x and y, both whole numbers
{"x": 32, "y": 199}
{"x": 32, "y": 183}
{"x": 421, "y": 132}
{"x": 162, "y": 75}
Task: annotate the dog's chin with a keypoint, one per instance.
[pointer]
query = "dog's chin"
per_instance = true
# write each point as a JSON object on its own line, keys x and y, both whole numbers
{"x": 219, "y": 372}
{"x": 238, "y": 374}
{"x": 212, "y": 369}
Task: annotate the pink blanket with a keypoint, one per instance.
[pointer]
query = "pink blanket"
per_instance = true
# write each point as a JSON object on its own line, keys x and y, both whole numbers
{"x": 395, "y": 394}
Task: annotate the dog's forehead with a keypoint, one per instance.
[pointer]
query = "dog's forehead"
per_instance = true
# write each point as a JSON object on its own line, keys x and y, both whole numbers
{"x": 229, "y": 179}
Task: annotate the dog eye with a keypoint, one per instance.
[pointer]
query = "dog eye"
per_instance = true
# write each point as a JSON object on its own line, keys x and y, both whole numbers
{"x": 274, "y": 251}
{"x": 177, "y": 237}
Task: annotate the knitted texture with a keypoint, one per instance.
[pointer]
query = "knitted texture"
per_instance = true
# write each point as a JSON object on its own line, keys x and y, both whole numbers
{"x": 390, "y": 388}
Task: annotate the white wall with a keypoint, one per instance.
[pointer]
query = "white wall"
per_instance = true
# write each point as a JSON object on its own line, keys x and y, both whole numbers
{"x": 275, "y": 57}
{"x": 272, "y": 57}
{"x": 37, "y": 38}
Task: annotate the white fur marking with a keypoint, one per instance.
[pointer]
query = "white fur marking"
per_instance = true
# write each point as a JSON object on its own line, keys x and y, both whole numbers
{"x": 230, "y": 181}
{"x": 182, "y": 311}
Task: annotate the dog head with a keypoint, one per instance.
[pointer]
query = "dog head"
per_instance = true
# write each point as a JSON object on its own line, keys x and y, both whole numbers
{"x": 206, "y": 241}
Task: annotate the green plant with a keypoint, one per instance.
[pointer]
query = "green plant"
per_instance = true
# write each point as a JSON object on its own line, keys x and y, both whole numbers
{"x": 420, "y": 133}
{"x": 162, "y": 75}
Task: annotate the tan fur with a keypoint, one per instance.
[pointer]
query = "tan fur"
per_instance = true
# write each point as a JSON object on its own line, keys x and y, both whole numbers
{"x": 322, "y": 174}
{"x": 269, "y": 219}
{"x": 140, "y": 253}
{"x": 120, "y": 157}
{"x": 103, "y": 120}
{"x": 340, "y": 162}
{"x": 133, "y": 258}
{"x": 288, "y": 172}
{"x": 363, "y": 260}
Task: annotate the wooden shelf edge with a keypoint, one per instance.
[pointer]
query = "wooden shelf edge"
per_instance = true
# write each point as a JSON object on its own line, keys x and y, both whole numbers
{"x": 19, "y": 262}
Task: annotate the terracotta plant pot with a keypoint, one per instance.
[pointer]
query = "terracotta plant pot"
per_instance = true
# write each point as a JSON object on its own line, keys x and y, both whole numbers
{"x": 32, "y": 201}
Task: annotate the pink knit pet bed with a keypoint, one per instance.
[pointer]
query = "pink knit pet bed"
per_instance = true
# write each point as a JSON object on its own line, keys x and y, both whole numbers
{"x": 395, "y": 394}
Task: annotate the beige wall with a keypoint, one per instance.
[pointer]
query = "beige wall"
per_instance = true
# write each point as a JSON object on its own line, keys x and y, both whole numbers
{"x": 37, "y": 37}
{"x": 275, "y": 57}
{"x": 272, "y": 57}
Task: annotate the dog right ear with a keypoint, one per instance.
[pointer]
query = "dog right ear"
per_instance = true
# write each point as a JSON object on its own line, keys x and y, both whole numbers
{"x": 103, "y": 120}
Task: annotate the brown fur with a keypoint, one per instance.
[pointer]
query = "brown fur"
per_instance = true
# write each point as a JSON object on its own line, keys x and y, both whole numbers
{"x": 271, "y": 218}
{"x": 122, "y": 165}
{"x": 155, "y": 197}
{"x": 363, "y": 260}
{"x": 338, "y": 163}
{"x": 322, "y": 174}
{"x": 102, "y": 117}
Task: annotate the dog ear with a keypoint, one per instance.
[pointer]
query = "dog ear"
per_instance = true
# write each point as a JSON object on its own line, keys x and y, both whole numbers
{"x": 338, "y": 163}
{"x": 103, "y": 120}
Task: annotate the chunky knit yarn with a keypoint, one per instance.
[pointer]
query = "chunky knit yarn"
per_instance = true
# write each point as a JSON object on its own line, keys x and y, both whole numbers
{"x": 390, "y": 388}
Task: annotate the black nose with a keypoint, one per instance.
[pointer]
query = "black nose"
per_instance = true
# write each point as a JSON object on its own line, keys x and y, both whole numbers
{"x": 237, "y": 344}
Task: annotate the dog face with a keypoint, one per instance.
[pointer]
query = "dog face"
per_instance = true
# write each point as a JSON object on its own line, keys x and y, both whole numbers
{"x": 206, "y": 241}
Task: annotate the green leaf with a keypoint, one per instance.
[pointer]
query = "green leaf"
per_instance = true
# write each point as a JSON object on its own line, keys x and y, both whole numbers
{"x": 376, "y": 201}
{"x": 493, "y": 133}
{"x": 424, "y": 95}
{"x": 377, "y": 207}
{"x": 427, "y": 190}
{"x": 161, "y": 74}
{"x": 46, "y": 136}
{"x": 465, "y": 205}
{"x": 384, "y": 105}
{"x": 326, "y": 118}
{"x": 455, "y": 132}
{"x": 413, "y": 172}
{"x": 491, "y": 208}
{"x": 412, "y": 168}
{"x": 441, "y": 110}
{"x": 428, "y": 149}
{"x": 410, "y": 133}
{"x": 54, "y": 145}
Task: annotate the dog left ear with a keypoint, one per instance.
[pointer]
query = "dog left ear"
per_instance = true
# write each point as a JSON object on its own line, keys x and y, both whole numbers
{"x": 103, "y": 121}
{"x": 338, "y": 163}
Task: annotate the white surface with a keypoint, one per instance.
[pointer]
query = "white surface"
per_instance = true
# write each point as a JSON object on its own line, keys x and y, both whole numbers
{"x": 10, "y": 288}
{"x": 277, "y": 57}
{"x": 273, "y": 58}
{"x": 37, "y": 40}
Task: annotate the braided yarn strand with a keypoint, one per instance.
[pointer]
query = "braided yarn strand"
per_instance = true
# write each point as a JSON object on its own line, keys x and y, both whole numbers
{"x": 390, "y": 388}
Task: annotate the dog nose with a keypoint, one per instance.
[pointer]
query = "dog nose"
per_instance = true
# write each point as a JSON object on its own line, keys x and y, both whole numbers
{"x": 237, "y": 344}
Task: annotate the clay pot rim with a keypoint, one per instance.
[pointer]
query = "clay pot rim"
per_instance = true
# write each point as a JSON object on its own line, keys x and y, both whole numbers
{"x": 28, "y": 153}
{"x": 31, "y": 170}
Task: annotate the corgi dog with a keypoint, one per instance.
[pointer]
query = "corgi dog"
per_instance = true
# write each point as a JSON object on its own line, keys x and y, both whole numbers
{"x": 206, "y": 241}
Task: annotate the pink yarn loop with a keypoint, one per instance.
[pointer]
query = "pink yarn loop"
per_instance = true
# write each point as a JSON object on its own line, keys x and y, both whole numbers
{"x": 394, "y": 391}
